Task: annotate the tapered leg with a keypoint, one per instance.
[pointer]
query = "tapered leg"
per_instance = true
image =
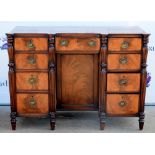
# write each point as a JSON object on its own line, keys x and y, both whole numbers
{"x": 102, "y": 121}
{"x": 141, "y": 120}
{"x": 52, "y": 120}
{"x": 13, "y": 120}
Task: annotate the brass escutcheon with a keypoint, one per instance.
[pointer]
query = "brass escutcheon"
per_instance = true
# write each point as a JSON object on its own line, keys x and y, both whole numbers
{"x": 123, "y": 82}
{"x": 123, "y": 60}
{"x": 92, "y": 43}
{"x": 32, "y": 101}
{"x": 124, "y": 44}
{"x": 31, "y": 60}
{"x": 32, "y": 80}
{"x": 64, "y": 42}
{"x": 29, "y": 44}
{"x": 122, "y": 103}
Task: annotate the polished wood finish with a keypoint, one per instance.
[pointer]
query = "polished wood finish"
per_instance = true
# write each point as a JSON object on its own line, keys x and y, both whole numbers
{"x": 124, "y": 62}
{"x": 31, "y": 61}
{"x": 130, "y": 106}
{"x": 39, "y": 105}
{"x": 77, "y": 68}
{"x": 132, "y": 82}
{"x": 39, "y": 44}
{"x": 115, "y": 44}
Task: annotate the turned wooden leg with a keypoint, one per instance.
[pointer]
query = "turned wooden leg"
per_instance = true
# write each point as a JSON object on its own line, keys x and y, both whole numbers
{"x": 13, "y": 120}
{"x": 52, "y": 120}
{"x": 141, "y": 120}
{"x": 102, "y": 121}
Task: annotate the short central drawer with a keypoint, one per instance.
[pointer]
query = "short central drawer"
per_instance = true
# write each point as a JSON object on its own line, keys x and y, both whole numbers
{"x": 75, "y": 44}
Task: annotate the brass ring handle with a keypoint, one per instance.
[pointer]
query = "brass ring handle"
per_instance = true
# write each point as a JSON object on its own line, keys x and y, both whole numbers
{"x": 122, "y": 103}
{"x": 91, "y": 43}
{"x": 32, "y": 101}
{"x": 31, "y": 60}
{"x": 123, "y": 60}
{"x": 123, "y": 82}
{"x": 30, "y": 44}
{"x": 124, "y": 44}
{"x": 64, "y": 42}
{"x": 32, "y": 80}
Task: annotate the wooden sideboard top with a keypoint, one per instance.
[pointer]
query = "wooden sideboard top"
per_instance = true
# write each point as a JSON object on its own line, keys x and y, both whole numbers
{"x": 79, "y": 29}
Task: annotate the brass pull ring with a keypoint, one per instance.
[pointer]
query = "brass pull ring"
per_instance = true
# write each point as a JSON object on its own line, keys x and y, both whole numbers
{"x": 91, "y": 43}
{"x": 123, "y": 60}
{"x": 64, "y": 42}
{"x": 122, "y": 103}
{"x": 124, "y": 44}
{"x": 30, "y": 44}
{"x": 123, "y": 82}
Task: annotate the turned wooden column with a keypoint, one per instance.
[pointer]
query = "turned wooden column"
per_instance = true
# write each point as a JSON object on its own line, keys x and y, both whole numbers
{"x": 143, "y": 80}
{"x": 102, "y": 80}
{"x": 12, "y": 81}
{"x": 52, "y": 82}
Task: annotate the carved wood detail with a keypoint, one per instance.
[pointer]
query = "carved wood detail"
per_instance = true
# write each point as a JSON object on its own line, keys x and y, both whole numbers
{"x": 143, "y": 80}
{"x": 52, "y": 82}
{"x": 102, "y": 80}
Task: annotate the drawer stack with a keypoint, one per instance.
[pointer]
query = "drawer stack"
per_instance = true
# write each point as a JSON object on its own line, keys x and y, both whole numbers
{"x": 31, "y": 61}
{"x": 123, "y": 92}
{"x": 30, "y": 76}
{"x": 123, "y": 77}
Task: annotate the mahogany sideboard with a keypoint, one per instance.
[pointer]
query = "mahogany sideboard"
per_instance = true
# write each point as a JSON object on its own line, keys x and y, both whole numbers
{"x": 77, "y": 68}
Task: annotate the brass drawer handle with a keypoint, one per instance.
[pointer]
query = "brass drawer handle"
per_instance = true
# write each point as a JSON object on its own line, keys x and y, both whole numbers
{"x": 30, "y": 44}
{"x": 122, "y": 103}
{"x": 32, "y": 102}
{"x": 64, "y": 42}
{"x": 32, "y": 80}
{"x": 124, "y": 44}
{"x": 123, "y": 60}
{"x": 91, "y": 43}
{"x": 123, "y": 82}
{"x": 31, "y": 60}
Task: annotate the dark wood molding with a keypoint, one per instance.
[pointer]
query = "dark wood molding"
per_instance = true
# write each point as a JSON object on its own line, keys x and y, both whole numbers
{"x": 102, "y": 80}
{"x": 52, "y": 82}
{"x": 143, "y": 80}
{"x": 12, "y": 81}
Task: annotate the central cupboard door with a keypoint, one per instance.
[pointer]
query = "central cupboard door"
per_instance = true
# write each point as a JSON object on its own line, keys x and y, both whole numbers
{"x": 77, "y": 71}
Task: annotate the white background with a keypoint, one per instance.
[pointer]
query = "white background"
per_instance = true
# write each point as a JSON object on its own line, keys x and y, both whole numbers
{"x": 77, "y": 10}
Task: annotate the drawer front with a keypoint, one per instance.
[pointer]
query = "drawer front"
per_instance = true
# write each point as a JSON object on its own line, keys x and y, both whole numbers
{"x": 32, "y": 81}
{"x": 124, "y": 62}
{"x": 121, "y": 104}
{"x": 29, "y": 44}
{"x": 77, "y": 44}
{"x": 32, "y": 104}
{"x": 31, "y": 61}
{"x": 123, "y": 82}
{"x": 124, "y": 44}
